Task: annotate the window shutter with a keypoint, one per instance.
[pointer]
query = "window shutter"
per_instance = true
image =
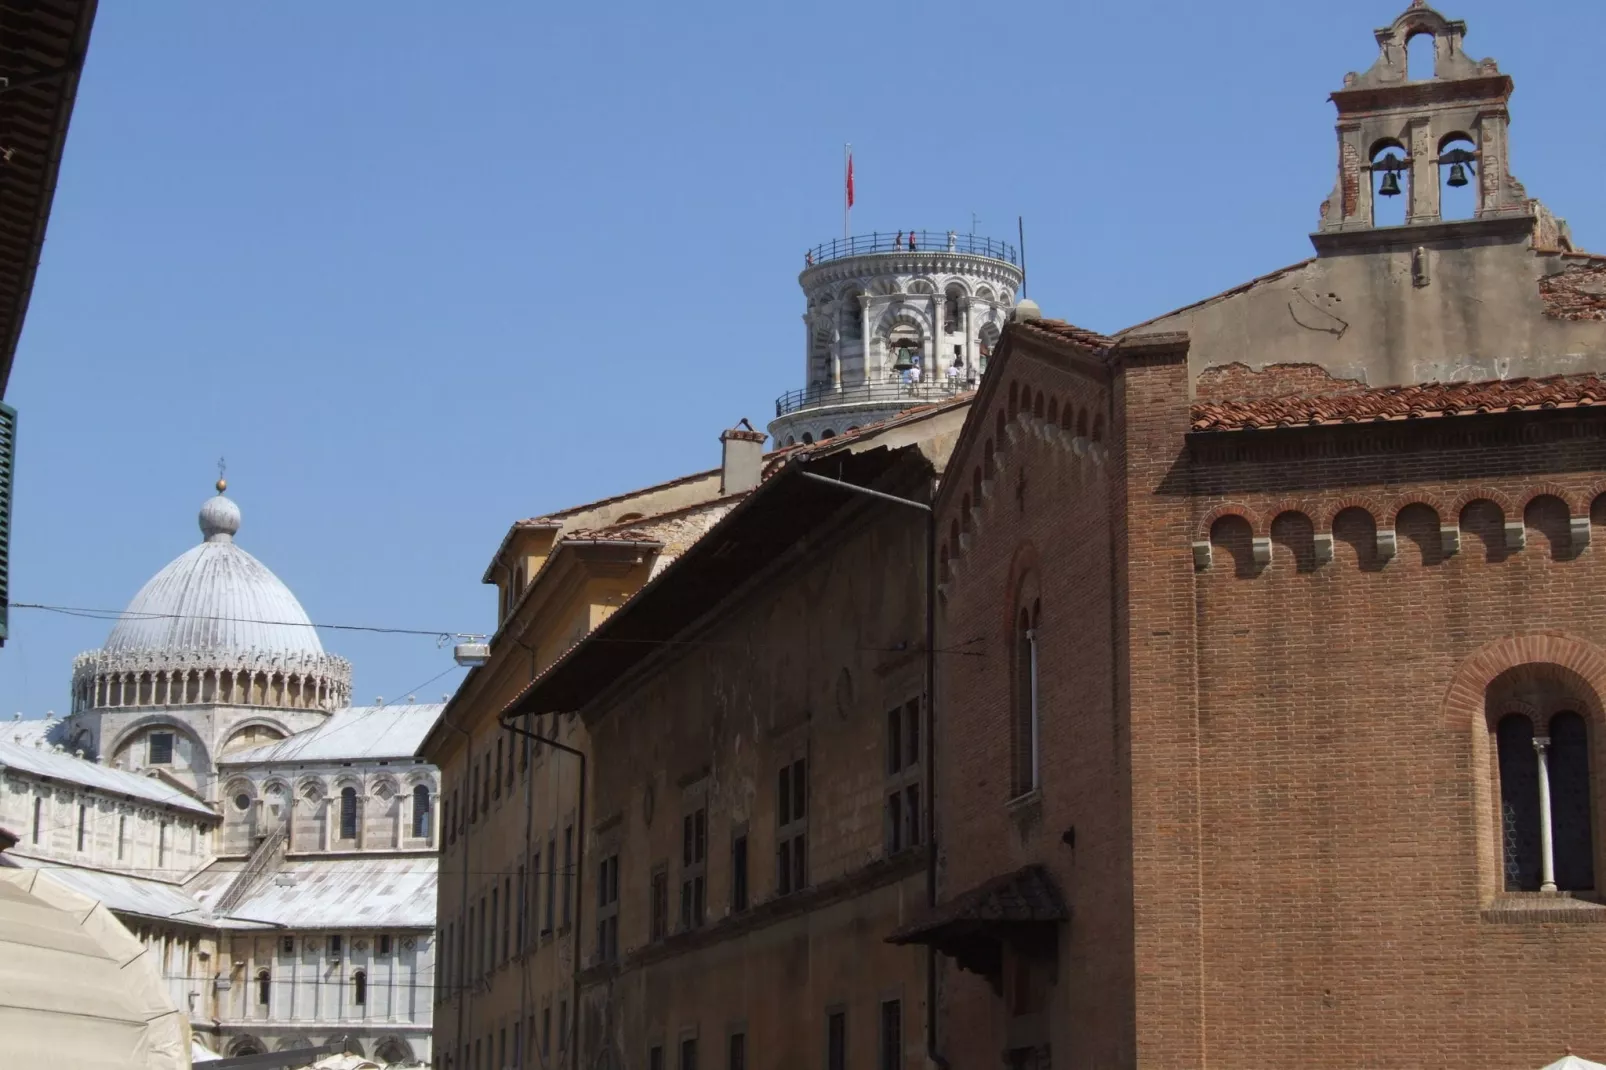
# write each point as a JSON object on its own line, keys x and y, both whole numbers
{"x": 8, "y": 460}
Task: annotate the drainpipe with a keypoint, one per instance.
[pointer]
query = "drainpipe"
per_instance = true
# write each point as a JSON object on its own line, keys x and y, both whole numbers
{"x": 579, "y": 868}
{"x": 931, "y": 724}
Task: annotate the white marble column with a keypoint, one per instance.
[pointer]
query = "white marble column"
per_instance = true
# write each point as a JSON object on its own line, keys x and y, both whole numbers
{"x": 1547, "y": 852}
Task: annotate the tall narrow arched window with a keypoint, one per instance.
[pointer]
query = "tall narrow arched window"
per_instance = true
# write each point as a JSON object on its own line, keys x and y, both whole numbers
{"x": 348, "y": 813}
{"x": 1025, "y": 775}
{"x": 264, "y": 987}
{"x": 359, "y": 988}
{"x": 421, "y": 812}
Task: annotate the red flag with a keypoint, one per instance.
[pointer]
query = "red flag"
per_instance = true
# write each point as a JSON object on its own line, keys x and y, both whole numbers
{"x": 850, "y": 179}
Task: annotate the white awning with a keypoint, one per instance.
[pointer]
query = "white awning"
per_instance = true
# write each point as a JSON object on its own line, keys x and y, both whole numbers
{"x": 1573, "y": 1062}
{"x": 76, "y": 988}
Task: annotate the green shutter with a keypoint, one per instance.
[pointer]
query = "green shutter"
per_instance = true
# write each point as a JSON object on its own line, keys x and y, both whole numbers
{"x": 8, "y": 461}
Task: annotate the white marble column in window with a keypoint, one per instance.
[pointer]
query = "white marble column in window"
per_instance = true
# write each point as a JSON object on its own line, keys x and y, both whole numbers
{"x": 1547, "y": 852}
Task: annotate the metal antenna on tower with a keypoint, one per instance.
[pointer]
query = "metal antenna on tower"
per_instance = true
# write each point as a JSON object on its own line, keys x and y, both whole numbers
{"x": 973, "y": 222}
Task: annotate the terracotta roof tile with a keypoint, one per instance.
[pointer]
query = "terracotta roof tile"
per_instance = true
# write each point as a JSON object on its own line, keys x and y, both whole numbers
{"x": 1065, "y": 331}
{"x": 1414, "y": 402}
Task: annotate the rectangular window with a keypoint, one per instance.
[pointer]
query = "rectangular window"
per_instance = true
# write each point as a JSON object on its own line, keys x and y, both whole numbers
{"x": 568, "y": 875}
{"x": 791, "y": 813}
{"x": 384, "y": 945}
{"x": 524, "y": 909}
{"x": 490, "y": 929}
{"x": 655, "y": 1058}
{"x": 659, "y": 906}
{"x": 482, "y": 939}
{"x": 688, "y": 1054}
{"x": 161, "y": 748}
{"x": 336, "y": 945}
{"x": 83, "y": 824}
{"x": 737, "y": 1059}
{"x": 551, "y": 882}
{"x": 288, "y": 945}
{"x": 694, "y": 869}
{"x": 902, "y": 825}
{"x": 608, "y": 909}
{"x": 739, "y": 873}
{"x": 535, "y": 894}
{"x": 836, "y": 1041}
{"x": 892, "y": 1035}
{"x": 501, "y": 1047}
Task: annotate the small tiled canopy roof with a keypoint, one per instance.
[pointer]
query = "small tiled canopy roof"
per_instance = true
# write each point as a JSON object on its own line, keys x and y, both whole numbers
{"x": 1391, "y": 403}
{"x": 971, "y": 927}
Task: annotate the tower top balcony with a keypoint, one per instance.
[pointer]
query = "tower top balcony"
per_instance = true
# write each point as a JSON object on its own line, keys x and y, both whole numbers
{"x": 912, "y": 242}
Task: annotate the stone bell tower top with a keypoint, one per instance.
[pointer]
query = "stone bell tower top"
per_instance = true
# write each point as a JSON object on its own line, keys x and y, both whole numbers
{"x": 1401, "y": 130}
{"x": 892, "y": 321}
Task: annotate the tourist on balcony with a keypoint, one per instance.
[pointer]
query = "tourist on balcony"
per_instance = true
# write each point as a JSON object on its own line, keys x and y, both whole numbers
{"x": 897, "y": 243}
{"x": 953, "y": 241}
{"x": 911, "y": 241}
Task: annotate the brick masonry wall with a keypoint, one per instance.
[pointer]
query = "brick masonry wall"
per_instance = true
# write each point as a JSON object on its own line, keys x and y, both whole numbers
{"x": 1038, "y": 530}
{"x": 1349, "y": 904}
{"x": 1578, "y": 291}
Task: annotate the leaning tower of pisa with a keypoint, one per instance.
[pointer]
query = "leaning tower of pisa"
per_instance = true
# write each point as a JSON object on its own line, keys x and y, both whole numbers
{"x": 893, "y": 321}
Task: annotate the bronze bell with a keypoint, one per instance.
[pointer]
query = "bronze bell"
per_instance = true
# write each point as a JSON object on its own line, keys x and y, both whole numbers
{"x": 905, "y": 362}
{"x": 1391, "y": 184}
{"x": 1458, "y": 175}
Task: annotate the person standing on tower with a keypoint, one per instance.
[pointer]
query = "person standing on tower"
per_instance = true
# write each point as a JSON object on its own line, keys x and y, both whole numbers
{"x": 897, "y": 243}
{"x": 911, "y": 241}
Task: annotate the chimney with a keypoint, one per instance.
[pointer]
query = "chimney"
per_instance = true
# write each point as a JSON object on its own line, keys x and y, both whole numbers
{"x": 743, "y": 460}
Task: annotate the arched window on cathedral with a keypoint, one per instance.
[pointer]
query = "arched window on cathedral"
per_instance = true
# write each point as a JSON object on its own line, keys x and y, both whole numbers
{"x": 359, "y": 989}
{"x": 1547, "y": 840}
{"x": 421, "y": 812}
{"x": 1024, "y": 747}
{"x": 348, "y": 813}
{"x": 264, "y": 987}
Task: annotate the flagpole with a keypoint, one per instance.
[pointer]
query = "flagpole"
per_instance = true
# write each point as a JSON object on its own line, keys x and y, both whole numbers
{"x": 847, "y": 187}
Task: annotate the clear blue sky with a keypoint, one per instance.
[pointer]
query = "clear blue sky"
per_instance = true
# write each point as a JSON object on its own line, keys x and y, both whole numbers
{"x": 420, "y": 270}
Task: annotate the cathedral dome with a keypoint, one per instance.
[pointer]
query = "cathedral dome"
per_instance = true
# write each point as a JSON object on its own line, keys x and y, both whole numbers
{"x": 215, "y": 598}
{"x": 214, "y": 625}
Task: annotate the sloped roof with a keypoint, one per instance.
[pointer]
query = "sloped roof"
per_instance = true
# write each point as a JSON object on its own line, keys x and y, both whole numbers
{"x": 355, "y": 733}
{"x": 1391, "y": 403}
{"x": 47, "y": 40}
{"x": 57, "y": 765}
{"x": 334, "y": 893}
{"x": 1025, "y": 896}
{"x": 780, "y": 512}
{"x": 123, "y": 892}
